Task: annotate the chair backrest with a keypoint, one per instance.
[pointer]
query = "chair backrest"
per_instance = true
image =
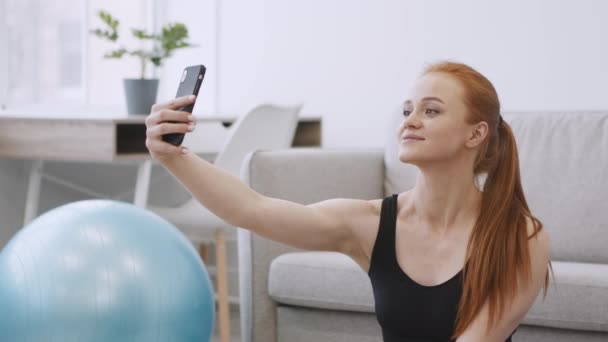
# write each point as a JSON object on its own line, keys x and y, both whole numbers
{"x": 266, "y": 126}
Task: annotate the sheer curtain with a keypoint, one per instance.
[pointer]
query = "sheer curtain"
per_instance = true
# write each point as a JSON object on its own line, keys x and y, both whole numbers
{"x": 48, "y": 58}
{"x": 44, "y": 54}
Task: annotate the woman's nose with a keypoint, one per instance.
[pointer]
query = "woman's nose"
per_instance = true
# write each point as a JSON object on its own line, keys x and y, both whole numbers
{"x": 411, "y": 120}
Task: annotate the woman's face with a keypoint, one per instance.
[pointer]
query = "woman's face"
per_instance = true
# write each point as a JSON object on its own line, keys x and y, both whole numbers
{"x": 436, "y": 114}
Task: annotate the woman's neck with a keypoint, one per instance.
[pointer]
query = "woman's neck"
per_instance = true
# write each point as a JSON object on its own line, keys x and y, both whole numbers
{"x": 444, "y": 198}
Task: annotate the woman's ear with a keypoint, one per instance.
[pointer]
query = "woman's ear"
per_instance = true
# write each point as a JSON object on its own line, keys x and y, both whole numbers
{"x": 479, "y": 131}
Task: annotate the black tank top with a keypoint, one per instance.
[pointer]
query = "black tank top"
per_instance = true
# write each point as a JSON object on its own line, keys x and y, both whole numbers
{"x": 406, "y": 310}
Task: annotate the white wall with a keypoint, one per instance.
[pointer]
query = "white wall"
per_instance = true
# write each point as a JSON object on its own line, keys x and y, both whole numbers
{"x": 353, "y": 60}
{"x": 200, "y": 18}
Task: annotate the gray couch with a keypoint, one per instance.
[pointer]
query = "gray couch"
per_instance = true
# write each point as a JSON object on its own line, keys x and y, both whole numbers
{"x": 291, "y": 295}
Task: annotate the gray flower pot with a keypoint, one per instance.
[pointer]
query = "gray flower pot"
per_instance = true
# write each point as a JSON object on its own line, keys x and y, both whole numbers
{"x": 140, "y": 94}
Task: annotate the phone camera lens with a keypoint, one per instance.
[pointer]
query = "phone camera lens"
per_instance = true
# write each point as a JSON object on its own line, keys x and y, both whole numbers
{"x": 184, "y": 75}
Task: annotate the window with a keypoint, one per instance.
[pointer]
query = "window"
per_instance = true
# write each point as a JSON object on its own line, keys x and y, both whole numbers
{"x": 44, "y": 55}
{"x": 47, "y": 54}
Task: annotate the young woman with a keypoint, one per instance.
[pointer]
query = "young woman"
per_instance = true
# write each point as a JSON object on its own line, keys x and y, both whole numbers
{"x": 449, "y": 260}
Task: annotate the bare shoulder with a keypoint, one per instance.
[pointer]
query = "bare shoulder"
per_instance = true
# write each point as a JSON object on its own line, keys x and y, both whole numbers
{"x": 376, "y": 205}
{"x": 537, "y": 236}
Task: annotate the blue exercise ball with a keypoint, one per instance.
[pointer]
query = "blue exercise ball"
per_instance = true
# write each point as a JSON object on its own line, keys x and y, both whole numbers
{"x": 99, "y": 271}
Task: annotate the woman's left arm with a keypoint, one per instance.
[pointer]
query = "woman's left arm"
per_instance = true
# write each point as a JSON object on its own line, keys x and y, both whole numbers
{"x": 539, "y": 255}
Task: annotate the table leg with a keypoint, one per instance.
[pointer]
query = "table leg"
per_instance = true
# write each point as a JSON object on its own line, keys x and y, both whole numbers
{"x": 222, "y": 286}
{"x": 33, "y": 191}
{"x": 142, "y": 184}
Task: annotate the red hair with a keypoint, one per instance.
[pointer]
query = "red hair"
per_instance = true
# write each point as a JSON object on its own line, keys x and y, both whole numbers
{"x": 497, "y": 250}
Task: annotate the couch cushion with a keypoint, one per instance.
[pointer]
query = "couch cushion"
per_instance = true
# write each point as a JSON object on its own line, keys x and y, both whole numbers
{"x": 577, "y": 300}
{"x": 300, "y": 324}
{"x": 325, "y": 280}
{"x": 564, "y": 170}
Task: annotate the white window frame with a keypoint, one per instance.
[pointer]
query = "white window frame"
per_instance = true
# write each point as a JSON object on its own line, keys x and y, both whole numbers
{"x": 3, "y": 57}
{"x": 85, "y": 79}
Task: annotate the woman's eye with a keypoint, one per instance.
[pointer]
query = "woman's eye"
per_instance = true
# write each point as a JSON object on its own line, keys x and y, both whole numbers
{"x": 406, "y": 112}
{"x": 430, "y": 111}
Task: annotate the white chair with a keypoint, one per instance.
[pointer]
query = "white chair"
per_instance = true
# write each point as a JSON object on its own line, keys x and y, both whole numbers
{"x": 264, "y": 127}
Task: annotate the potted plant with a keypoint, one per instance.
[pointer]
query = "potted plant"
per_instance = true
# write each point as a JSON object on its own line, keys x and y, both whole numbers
{"x": 141, "y": 93}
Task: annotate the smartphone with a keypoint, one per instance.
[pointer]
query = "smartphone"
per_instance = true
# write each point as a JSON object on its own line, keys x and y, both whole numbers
{"x": 189, "y": 84}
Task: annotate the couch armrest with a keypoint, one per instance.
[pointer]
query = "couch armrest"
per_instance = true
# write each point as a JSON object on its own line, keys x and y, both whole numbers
{"x": 305, "y": 176}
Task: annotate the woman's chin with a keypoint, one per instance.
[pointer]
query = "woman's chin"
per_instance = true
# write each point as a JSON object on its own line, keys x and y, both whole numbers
{"x": 408, "y": 158}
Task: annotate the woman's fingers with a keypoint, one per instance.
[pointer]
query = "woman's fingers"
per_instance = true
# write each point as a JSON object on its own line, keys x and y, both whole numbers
{"x": 168, "y": 115}
{"x": 166, "y": 128}
{"x": 165, "y": 119}
{"x": 174, "y": 104}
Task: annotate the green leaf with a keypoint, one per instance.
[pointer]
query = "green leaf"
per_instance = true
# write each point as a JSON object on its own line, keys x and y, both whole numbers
{"x": 141, "y": 34}
{"x": 116, "y": 53}
{"x": 108, "y": 19}
{"x": 173, "y": 36}
{"x": 157, "y": 61}
{"x": 137, "y": 53}
{"x": 111, "y": 32}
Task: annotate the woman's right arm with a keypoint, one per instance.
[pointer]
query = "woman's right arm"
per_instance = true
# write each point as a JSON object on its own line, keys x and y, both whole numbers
{"x": 326, "y": 225}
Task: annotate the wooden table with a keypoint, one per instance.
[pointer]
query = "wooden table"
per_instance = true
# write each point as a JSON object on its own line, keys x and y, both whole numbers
{"x": 99, "y": 138}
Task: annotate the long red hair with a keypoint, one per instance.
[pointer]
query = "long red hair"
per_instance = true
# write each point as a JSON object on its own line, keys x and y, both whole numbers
{"x": 497, "y": 250}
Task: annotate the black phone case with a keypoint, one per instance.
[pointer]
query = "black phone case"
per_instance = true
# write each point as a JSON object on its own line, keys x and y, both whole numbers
{"x": 188, "y": 86}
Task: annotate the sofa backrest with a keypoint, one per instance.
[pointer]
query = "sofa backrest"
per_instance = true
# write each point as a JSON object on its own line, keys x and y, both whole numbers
{"x": 564, "y": 169}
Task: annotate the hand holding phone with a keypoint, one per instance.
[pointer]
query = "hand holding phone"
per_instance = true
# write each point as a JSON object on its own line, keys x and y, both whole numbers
{"x": 190, "y": 83}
